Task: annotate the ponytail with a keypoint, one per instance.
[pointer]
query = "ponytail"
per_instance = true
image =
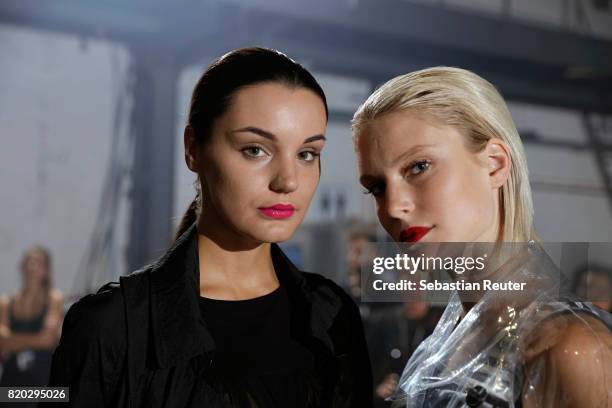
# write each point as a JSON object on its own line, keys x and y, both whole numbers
{"x": 191, "y": 215}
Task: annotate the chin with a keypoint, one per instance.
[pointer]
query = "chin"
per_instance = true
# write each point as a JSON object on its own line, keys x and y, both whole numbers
{"x": 281, "y": 235}
{"x": 274, "y": 234}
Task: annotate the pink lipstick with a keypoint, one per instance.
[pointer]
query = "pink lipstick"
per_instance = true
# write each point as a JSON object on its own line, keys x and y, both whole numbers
{"x": 278, "y": 211}
{"x": 413, "y": 234}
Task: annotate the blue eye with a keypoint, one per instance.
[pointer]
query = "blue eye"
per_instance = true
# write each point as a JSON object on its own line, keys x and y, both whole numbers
{"x": 418, "y": 167}
{"x": 375, "y": 189}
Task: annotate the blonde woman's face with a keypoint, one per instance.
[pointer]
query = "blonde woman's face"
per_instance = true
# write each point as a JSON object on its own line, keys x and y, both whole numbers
{"x": 422, "y": 174}
{"x": 35, "y": 266}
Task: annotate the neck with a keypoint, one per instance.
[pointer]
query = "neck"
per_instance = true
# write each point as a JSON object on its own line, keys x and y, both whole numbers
{"x": 234, "y": 273}
{"x": 32, "y": 288}
{"x": 498, "y": 268}
{"x": 512, "y": 264}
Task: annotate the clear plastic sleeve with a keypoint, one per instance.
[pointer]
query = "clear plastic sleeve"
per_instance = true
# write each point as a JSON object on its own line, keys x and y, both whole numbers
{"x": 499, "y": 353}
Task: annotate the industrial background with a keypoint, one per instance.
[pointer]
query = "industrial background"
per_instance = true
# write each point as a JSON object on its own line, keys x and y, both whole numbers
{"x": 93, "y": 97}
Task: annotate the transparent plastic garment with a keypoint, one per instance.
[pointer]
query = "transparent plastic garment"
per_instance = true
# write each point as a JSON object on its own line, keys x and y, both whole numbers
{"x": 495, "y": 355}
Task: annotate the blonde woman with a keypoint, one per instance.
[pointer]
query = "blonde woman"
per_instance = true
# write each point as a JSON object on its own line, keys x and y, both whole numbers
{"x": 439, "y": 152}
{"x": 30, "y": 322}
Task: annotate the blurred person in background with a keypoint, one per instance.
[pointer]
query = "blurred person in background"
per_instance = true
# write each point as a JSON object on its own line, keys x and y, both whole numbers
{"x": 224, "y": 319}
{"x": 595, "y": 284}
{"x": 30, "y": 323}
{"x": 358, "y": 253}
{"x": 439, "y": 152}
{"x": 395, "y": 335}
{"x": 393, "y": 330}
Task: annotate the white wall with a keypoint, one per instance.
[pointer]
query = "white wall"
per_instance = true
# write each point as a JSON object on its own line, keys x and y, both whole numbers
{"x": 568, "y": 191}
{"x": 184, "y": 191}
{"x": 56, "y": 112}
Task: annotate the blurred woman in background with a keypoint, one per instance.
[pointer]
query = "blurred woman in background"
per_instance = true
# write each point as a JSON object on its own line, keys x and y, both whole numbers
{"x": 30, "y": 323}
{"x": 440, "y": 153}
{"x": 594, "y": 283}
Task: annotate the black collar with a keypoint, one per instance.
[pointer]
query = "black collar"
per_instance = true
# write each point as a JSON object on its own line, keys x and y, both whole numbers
{"x": 180, "y": 332}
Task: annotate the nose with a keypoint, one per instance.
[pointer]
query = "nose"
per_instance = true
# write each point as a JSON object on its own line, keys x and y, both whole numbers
{"x": 285, "y": 177}
{"x": 398, "y": 201}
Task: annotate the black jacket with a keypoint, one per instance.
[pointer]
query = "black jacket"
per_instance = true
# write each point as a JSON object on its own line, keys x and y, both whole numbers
{"x": 143, "y": 342}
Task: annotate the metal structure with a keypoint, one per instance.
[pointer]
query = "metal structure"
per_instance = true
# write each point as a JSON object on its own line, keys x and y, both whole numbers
{"x": 371, "y": 39}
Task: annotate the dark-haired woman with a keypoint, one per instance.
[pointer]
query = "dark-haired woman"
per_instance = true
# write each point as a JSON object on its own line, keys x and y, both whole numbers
{"x": 224, "y": 318}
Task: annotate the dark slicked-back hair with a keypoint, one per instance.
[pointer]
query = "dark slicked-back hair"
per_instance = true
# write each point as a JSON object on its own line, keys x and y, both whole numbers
{"x": 228, "y": 74}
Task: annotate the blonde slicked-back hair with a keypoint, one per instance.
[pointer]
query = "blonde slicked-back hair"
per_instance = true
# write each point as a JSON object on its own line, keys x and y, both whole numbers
{"x": 460, "y": 98}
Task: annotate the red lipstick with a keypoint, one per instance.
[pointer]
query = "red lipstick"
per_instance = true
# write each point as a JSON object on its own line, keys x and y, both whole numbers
{"x": 413, "y": 234}
{"x": 278, "y": 211}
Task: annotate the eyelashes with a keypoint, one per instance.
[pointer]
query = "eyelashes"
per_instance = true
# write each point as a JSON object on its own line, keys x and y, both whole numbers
{"x": 420, "y": 165}
{"x": 253, "y": 151}
{"x": 414, "y": 169}
{"x": 256, "y": 152}
{"x": 375, "y": 190}
{"x": 311, "y": 154}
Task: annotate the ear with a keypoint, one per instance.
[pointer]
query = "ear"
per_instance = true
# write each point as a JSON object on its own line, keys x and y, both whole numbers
{"x": 499, "y": 161}
{"x": 191, "y": 149}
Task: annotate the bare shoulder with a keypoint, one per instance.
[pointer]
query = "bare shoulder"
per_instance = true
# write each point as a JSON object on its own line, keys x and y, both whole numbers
{"x": 4, "y": 300}
{"x": 56, "y": 297}
{"x": 4, "y": 312}
{"x": 583, "y": 336}
{"x": 583, "y": 360}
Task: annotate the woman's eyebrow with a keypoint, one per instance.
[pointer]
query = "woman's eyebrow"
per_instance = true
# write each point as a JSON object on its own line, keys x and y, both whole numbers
{"x": 257, "y": 131}
{"x": 413, "y": 150}
{"x": 271, "y": 136}
{"x": 364, "y": 179}
{"x": 313, "y": 139}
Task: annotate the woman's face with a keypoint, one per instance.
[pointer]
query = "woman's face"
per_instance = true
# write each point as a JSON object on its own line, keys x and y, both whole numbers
{"x": 260, "y": 167}
{"x": 597, "y": 288}
{"x": 35, "y": 266}
{"x": 428, "y": 186}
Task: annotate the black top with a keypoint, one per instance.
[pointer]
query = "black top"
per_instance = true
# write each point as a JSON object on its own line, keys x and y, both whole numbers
{"x": 31, "y": 325}
{"x": 255, "y": 354}
{"x": 143, "y": 342}
{"x": 29, "y": 367}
